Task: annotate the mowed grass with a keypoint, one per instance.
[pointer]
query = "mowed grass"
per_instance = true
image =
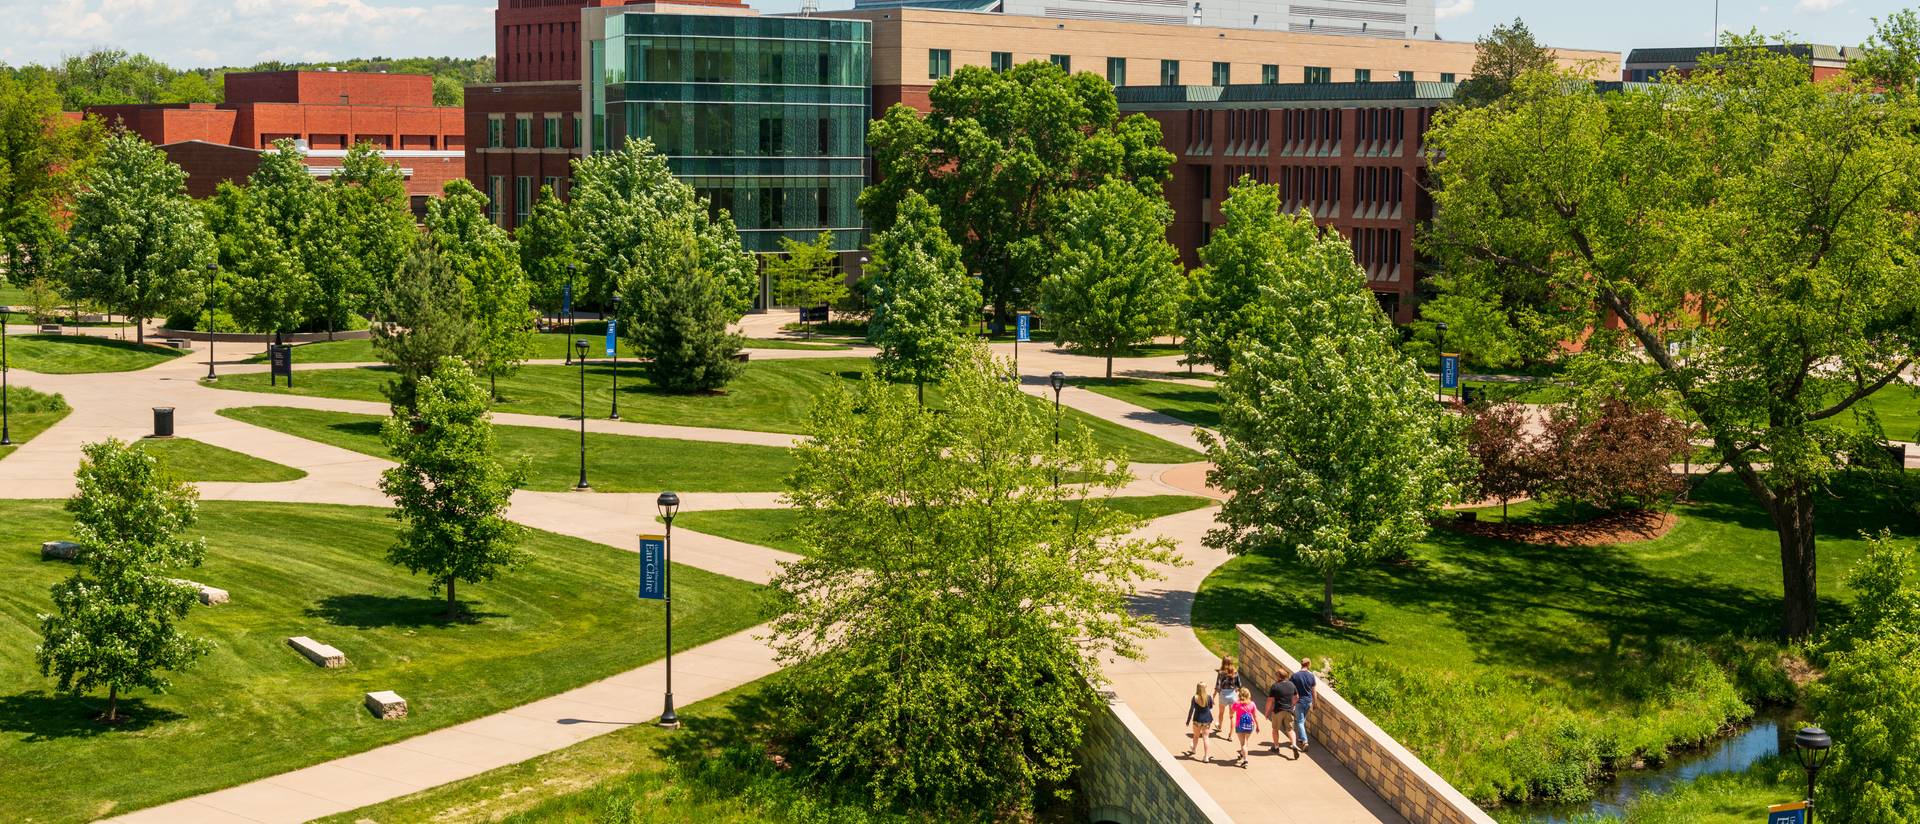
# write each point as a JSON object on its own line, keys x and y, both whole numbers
{"x": 29, "y": 413}
{"x": 774, "y": 527}
{"x": 254, "y": 707}
{"x": 78, "y": 354}
{"x": 546, "y": 345}
{"x": 191, "y": 460}
{"x": 769, "y": 396}
{"x": 615, "y": 463}
{"x": 1574, "y": 653}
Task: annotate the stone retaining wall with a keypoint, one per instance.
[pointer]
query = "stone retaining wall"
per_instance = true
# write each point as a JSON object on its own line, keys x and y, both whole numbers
{"x": 1375, "y": 757}
{"x": 1129, "y": 777}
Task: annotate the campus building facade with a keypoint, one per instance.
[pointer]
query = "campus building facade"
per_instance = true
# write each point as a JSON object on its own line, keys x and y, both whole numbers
{"x": 1401, "y": 19}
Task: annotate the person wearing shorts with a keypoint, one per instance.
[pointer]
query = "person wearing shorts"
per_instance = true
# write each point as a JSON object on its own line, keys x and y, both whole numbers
{"x": 1226, "y": 688}
{"x": 1280, "y": 701}
{"x": 1199, "y": 718}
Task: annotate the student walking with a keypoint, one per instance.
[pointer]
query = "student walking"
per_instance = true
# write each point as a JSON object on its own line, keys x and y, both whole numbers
{"x": 1226, "y": 686}
{"x": 1304, "y": 683}
{"x": 1246, "y": 722}
{"x": 1281, "y": 697}
{"x": 1199, "y": 718}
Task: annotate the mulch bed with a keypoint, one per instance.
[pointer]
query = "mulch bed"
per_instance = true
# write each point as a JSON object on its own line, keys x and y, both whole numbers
{"x": 1611, "y": 528}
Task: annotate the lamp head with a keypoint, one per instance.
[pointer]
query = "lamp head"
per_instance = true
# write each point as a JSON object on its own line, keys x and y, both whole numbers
{"x": 669, "y": 505}
{"x": 1814, "y": 746}
{"x": 1442, "y": 326}
{"x": 1058, "y": 380}
{"x": 580, "y": 344}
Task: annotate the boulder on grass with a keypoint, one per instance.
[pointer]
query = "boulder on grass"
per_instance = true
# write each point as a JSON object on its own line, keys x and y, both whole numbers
{"x": 386, "y": 705}
{"x": 59, "y": 550}
{"x": 208, "y": 595}
{"x": 317, "y": 652}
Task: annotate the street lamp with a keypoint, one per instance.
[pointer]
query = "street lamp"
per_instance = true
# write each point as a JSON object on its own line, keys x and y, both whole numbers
{"x": 1058, "y": 380}
{"x": 613, "y": 327}
{"x": 1815, "y": 746}
{"x": 6, "y": 434}
{"x": 582, "y": 485}
{"x": 669, "y": 504}
{"x": 212, "y": 270}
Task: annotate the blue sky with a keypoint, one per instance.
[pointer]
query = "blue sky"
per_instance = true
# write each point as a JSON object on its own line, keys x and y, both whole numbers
{"x": 217, "y": 32}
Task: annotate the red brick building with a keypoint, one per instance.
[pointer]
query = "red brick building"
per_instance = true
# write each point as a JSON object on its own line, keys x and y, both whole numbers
{"x": 1647, "y": 65}
{"x": 323, "y": 112}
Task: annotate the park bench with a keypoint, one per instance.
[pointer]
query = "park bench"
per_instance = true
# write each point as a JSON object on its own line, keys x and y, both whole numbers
{"x": 50, "y": 329}
{"x": 179, "y": 343}
{"x": 318, "y": 653}
{"x": 386, "y": 705}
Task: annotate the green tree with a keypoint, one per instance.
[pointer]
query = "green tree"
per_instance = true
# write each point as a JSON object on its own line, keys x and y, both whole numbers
{"x": 1734, "y": 240}
{"x": 111, "y": 76}
{"x": 115, "y": 623}
{"x": 1869, "y": 697}
{"x": 43, "y": 300}
{"x": 1117, "y": 281}
{"x": 999, "y": 153}
{"x": 42, "y": 155}
{"x": 930, "y": 674}
{"x": 287, "y": 253}
{"x": 138, "y": 243}
{"x": 190, "y": 87}
{"x": 421, "y": 320}
{"x": 369, "y": 200}
{"x": 920, "y": 295}
{"x": 634, "y": 217}
{"x": 447, "y": 91}
{"x": 681, "y": 325}
{"x": 451, "y": 488}
{"x": 1891, "y": 57}
{"x": 1504, "y": 54}
{"x": 488, "y": 265}
{"x": 1253, "y": 246}
{"x": 1330, "y": 443}
{"x": 804, "y": 274}
{"x": 549, "y": 248}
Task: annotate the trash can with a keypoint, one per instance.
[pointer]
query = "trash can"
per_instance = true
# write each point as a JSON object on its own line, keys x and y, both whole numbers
{"x": 163, "y": 421}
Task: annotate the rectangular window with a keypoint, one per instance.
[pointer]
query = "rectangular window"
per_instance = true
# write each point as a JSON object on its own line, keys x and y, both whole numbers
{"x": 552, "y": 136}
{"x": 495, "y": 185}
{"x": 522, "y": 132}
{"x": 1002, "y": 61}
{"x": 939, "y": 63}
{"x": 1222, "y": 74}
{"x": 1117, "y": 71}
{"x": 493, "y": 132}
{"x": 551, "y": 183}
{"x": 576, "y": 131}
{"x": 522, "y": 198}
{"x": 1406, "y": 77}
{"x": 1446, "y": 77}
{"x": 1363, "y": 75}
{"x": 1319, "y": 74}
{"x": 1063, "y": 61}
{"x": 1270, "y": 74}
{"x": 1169, "y": 72}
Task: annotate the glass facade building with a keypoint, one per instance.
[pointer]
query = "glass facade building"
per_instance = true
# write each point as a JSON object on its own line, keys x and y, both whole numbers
{"x": 764, "y": 116}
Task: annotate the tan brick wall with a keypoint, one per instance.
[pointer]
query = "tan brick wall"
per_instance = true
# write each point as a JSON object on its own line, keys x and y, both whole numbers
{"x": 1129, "y": 777}
{"x": 1380, "y": 762}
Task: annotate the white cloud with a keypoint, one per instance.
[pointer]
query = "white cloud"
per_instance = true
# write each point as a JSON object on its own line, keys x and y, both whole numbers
{"x": 187, "y": 33}
{"x": 1817, "y": 6}
{"x": 1454, "y": 8}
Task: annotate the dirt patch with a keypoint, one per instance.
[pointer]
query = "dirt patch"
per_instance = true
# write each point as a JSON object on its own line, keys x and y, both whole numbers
{"x": 1611, "y": 528}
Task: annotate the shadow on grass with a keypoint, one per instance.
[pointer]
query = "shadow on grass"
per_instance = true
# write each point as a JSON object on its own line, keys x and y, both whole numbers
{"x": 106, "y": 343}
{"x": 362, "y": 611}
{"x": 43, "y": 716}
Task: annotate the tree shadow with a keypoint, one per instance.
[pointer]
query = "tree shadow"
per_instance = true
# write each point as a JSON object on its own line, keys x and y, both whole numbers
{"x": 363, "y": 611}
{"x": 46, "y": 717}
{"x": 356, "y": 429}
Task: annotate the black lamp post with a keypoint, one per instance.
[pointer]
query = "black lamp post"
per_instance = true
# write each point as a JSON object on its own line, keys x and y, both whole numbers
{"x": 1815, "y": 746}
{"x": 669, "y": 505}
{"x": 6, "y": 434}
{"x": 213, "y": 269}
{"x": 613, "y": 328}
{"x": 582, "y": 485}
{"x": 1059, "y": 381}
{"x": 569, "y": 310}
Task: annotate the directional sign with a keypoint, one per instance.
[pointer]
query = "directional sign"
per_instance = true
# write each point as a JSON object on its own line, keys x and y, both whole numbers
{"x": 1795, "y": 813}
{"x": 1449, "y": 371}
{"x": 1023, "y": 328}
{"x": 612, "y": 340}
{"x": 566, "y": 299}
{"x": 653, "y": 567}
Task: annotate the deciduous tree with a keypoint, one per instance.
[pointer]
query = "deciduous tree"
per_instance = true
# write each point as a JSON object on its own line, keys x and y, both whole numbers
{"x": 804, "y": 274}
{"x": 421, "y": 320}
{"x": 1510, "y": 460}
{"x": 138, "y": 243}
{"x": 1620, "y": 455}
{"x": 549, "y": 248}
{"x": 1250, "y": 250}
{"x": 451, "y": 488}
{"x": 1869, "y": 697}
{"x": 488, "y": 265}
{"x": 42, "y": 158}
{"x": 115, "y": 623}
{"x": 1117, "y": 281}
{"x": 921, "y": 296}
{"x": 368, "y": 196}
{"x": 634, "y": 217}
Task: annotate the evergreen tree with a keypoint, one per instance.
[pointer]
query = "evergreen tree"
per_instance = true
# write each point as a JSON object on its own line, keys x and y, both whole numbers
{"x": 920, "y": 296}
{"x": 1116, "y": 281}
{"x": 138, "y": 244}
{"x": 115, "y": 623}
{"x": 684, "y": 331}
{"x": 634, "y": 217}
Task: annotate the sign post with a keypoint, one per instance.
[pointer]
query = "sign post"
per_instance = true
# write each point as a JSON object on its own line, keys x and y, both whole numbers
{"x": 566, "y": 311}
{"x": 1449, "y": 372}
{"x": 613, "y": 351}
{"x": 1795, "y": 813}
{"x": 1022, "y": 333}
{"x": 653, "y": 567}
{"x": 280, "y": 358}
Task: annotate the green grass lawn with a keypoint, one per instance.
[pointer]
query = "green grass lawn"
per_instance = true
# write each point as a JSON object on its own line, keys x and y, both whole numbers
{"x": 254, "y": 707}
{"x": 1897, "y": 407}
{"x": 1200, "y": 405}
{"x": 783, "y": 343}
{"x": 615, "y": 463}
{"x": 545, "y": 345}
{"x": 1577, "y": 653}
{"x": 76, "y": 354}
{"x": 770, "y": 527}
{"x": 769, "y": 396}
{"x": 29, "y": 413}
{"x": 191, "y": 460}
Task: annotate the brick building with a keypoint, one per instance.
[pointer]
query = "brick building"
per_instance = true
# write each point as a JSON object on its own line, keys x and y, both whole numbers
{"x": 323, "y": 112}
{"x": 1647, "y": 65}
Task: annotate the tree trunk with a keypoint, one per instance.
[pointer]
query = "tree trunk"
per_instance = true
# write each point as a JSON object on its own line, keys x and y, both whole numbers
{"x": 1109, "y": 364}
{"x": 1326, "y": 597}
{"x": 453, "y": 607}
{"x": 1503, "y": 510}
{"x": 113, "y": 704}
{"x": 140, "y": 329}
{"x": 1792, "y": 513}
{"x": 493, "y": 387}
{"x": 920, "y": 393}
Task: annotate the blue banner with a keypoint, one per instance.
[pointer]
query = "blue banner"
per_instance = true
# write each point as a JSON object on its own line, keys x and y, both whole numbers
{"x": 612, "y": 340}
{"x": 1023, "y": 328}
{"x": 566, "y": 299}
{"x": 1449, "y": 371}
{"x": 653, "y": 567}
{"x": 1795, "y": 813}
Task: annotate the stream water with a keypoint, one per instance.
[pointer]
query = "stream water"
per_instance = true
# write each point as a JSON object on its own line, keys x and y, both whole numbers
{"x": 1769, "y": 733}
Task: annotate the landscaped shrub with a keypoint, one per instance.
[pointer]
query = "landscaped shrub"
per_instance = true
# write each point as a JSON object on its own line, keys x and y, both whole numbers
{"x": 1618, "y": 457}
{"x": 1509, "y": 458}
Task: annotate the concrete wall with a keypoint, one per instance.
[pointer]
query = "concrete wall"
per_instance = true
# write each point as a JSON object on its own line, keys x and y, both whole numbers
{"x": 1129, "y": 777}
{"x": 1397, "y": 775}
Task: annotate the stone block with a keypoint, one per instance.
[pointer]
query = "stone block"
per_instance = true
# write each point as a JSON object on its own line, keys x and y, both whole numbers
{"x": 317, "y": 652}
{"x": 208, "y": 595}
{"x": 386, "y": 705}
{"x": 179, "y": 343}
{"x": 59, "y": 550}
{"x": 50, "y": 329}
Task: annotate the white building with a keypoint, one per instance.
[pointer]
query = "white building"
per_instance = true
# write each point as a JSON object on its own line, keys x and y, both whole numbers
{"x": 1401, "y": 19}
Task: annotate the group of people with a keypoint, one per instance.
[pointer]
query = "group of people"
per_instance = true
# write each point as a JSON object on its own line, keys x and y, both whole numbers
{"x": 1230, "y": 707}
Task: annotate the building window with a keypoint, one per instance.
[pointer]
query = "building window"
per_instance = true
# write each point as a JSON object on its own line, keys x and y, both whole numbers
{"x": 494, "y": 186}
{"x": 522, "y": 132}
{"x": 1169, "y": 72}
{"x": 576, "y": 130}
{"x": 1446, "y": 77}
{"x": 1319, "y": 74}
{"x": 552, "y": 130}
{"x": 1002, "y": 61}
{"x": 1222, "y": 74}
{"x": 551, "y": 184}
{"x": 1063, "y": 61}
{"x": 1363, "y": 75}
{"x": 522, "y": 198}
{"x": 939, "y": 63}
{"x": 1117, "y": 71}
{"x": 493, "y": 132}
{"x": 1406, "y": 77}
{"x": 1270, "y": 74}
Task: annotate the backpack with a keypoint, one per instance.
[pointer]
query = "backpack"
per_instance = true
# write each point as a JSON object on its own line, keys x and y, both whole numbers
{"x": 1243, "y": 720}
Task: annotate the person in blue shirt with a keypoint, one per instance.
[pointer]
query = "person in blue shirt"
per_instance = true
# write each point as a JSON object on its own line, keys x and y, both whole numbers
{"x": 1303, "y": 684}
